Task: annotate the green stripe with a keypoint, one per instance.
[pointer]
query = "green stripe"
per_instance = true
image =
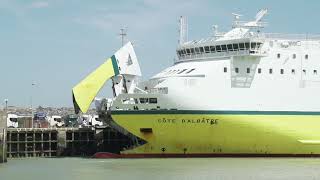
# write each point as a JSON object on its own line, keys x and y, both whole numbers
{"x": 115, "y": 65}
{"x": 217, "y": 112}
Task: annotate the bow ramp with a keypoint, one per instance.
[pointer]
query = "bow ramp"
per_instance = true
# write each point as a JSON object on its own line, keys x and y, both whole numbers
{"x": 122, "y": 68}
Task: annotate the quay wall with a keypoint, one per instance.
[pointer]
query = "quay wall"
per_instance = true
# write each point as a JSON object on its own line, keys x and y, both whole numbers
{"x": 63, "y": 142}
{"x": 3, "y": 153}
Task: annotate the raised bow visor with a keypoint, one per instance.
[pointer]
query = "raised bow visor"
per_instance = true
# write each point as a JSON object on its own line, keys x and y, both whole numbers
{"x": 123, "y": 62}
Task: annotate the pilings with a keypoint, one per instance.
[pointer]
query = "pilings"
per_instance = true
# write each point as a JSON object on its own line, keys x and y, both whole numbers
{"x": 32, "y": 142}
{"x": 62, "y": 142}
{"x": 80, "y": 142}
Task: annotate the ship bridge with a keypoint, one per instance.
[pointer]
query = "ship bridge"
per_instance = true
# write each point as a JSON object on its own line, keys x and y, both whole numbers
{"x": 212, "y": 48}
{"x": 244, "y": 39}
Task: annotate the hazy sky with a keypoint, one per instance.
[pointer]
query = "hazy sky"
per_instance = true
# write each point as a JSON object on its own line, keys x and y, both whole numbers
{"x": 57, "y": 43}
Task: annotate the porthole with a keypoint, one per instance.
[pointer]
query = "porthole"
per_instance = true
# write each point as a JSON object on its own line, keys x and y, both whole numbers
{"x": 259, "y": 70}
{"x": 281, "y": 71}
{"x": 225, "y": 69}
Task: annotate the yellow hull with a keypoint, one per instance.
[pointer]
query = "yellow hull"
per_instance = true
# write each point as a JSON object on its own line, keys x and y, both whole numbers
{"x": 264, "y": 133}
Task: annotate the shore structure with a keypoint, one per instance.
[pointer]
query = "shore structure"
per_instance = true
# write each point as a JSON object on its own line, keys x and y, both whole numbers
{"x": 3, "y": 144}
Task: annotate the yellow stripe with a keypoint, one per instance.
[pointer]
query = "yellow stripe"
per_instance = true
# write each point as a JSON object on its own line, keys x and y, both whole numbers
{"x": 88, "y": 88}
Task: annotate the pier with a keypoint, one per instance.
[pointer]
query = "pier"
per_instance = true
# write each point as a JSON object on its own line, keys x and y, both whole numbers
{"x": 25, "y": 142}
{"x": 63, "y": 142}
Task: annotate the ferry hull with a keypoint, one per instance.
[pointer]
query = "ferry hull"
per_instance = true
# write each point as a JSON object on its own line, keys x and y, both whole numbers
{"x": 194, "y": 134}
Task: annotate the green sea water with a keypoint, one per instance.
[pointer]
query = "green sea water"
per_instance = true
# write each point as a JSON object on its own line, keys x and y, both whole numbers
{"x": 164, "y": 169}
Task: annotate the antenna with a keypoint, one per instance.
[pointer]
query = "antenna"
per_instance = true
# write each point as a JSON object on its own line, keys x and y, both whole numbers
{"x": 256, "y": 23}
{"x": 123, "y": 34}
{"x": 261, "y": 14}
{"x": 183, "y": 31}
{"x": 236, "y": 18}
{"x": 215, "y": 30}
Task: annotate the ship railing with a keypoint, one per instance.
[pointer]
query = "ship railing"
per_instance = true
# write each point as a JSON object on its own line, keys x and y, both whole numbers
{"x": 44, "y": 129}
{"x": 263, "y": 36}
{"x": 298, "y": 37}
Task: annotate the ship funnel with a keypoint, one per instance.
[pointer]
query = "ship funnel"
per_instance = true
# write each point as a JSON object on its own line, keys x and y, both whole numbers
{"x": 123, "y": 62}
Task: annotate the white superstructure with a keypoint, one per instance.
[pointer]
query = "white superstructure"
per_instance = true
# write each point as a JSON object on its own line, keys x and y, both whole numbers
{"x": 243, "y": 69}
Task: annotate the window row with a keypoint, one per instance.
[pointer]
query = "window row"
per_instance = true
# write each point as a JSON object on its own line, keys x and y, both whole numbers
{"x": 294, "y": 56}
{"x": 219, "y": 48}
{"x": 270, "y": 71}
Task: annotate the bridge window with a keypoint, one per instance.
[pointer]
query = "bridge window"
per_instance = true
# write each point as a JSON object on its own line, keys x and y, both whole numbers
{"x": 294, "y": 56}
{"x": 248, "y": 70}
{"x": 278, "y": 55}
{"x": 236, "y": 70}
{"x": 247, "y": 45}
{"x": 192, "y": 50}
{"x": 241, "y": 45}
{"x": 259, "y": 70}
{"x": 207, "y": 49}
{"x": 218, "y": 48}
{"x": 235, "y": 47}
{"x": 212, "y": 49}
{"x": 224, "y": 48}
{"x": 253, "y": 45}
{"x": 306, "y": 56}
{"x": 281, "y": 71}
{"x": 270, "y": 71}
{"x": 197, "y": 50}
{"x": 201, "y": 50}
{"x": 229, "y": 46}
{"x": 188, "y": 51}
{"x": 293, "y": 71}
{"x": 183, "y": 52}
{"x": 315, "y": 72}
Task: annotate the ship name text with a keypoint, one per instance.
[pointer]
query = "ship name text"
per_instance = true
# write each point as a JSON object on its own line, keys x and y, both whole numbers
{"x": 211, "y": 121}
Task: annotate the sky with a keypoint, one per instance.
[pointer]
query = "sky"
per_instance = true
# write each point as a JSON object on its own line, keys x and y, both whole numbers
{"x": 56, "y": 43}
